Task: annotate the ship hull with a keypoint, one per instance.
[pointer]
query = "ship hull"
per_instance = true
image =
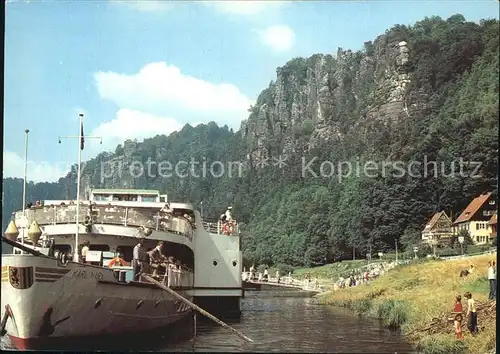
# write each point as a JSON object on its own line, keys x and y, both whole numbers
{"x": 249, "y": 286}
{"x": 47, "y": 302}
{"x": 140, "y": 340}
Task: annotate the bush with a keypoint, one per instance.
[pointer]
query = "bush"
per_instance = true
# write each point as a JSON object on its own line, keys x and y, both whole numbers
{"x": 471, "y": 249}
{"x": 362, "y": 307}
{"x": 393, "y": 313}
{"x": 445, "y": 252}
{"x": 284, "y": 268}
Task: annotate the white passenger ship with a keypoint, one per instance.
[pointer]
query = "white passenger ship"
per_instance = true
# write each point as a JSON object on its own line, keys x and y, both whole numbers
{"x": 47, "y": 294}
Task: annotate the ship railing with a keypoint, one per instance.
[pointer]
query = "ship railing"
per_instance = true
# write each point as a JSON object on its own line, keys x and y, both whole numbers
{"x": 106, "y": 215}
{"x": 215, "y": 226}
{"x": 179, "y": 277}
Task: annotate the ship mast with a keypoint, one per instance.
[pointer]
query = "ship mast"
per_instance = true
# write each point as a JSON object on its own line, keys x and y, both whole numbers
{"x": 26, "y": 131}
{"x": 81, "y": 144}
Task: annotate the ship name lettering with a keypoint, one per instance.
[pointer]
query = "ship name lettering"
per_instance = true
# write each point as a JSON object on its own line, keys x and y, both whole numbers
{"x": 80, "y": 273}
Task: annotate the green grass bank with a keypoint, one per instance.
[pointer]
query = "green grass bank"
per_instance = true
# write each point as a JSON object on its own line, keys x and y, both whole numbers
{"x": 418, "y": 298}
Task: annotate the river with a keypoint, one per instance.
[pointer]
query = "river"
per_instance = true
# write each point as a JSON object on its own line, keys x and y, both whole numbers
{"x": 282, "y": 321}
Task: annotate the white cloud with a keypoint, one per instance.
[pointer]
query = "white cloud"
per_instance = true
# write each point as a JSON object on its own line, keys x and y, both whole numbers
{"x": 132, "y": 124}
{"x": 280, "y": 38}
{"x": 163, "y": 90}
{"x": 37, "y": 171}
{"x": 243, "y": 7}
{"x": 145, "y": 5}
{"x": 128, "y": 124}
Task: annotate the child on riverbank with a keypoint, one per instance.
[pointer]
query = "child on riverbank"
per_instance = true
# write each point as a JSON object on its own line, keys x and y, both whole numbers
{"x": 471, "y": 314}
{"x": 458, "y": 326}
{"x": 458, "y": 305}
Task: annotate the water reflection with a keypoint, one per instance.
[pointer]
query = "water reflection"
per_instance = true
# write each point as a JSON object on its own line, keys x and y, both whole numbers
{"x": 277, "y": 321}
{"x": 296, "y": 324}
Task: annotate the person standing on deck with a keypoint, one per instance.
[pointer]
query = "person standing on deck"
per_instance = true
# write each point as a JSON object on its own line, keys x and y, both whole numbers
{"x": 139, "y": 259}
{"x": 166, "y": 208}
{"x": 85, "y": 249}
{"x": 229, "y": 217}
{"x": 228, "y": 221}
{"x": 156, "y": 257}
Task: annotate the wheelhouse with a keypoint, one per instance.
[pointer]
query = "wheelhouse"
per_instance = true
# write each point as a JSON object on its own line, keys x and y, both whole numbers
{"x": 127, "y": 195}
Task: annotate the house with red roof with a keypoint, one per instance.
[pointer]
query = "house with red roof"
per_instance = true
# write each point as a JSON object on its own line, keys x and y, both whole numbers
{"x": 475, "y": 218}
{"x": 438, "y": 229}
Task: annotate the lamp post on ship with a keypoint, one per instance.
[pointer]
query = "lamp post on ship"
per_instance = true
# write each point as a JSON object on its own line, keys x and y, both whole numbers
{"x": 81, "y": 144}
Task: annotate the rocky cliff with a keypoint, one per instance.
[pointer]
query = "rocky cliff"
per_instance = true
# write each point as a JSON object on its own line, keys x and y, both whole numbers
{"x": 313, "y": 96}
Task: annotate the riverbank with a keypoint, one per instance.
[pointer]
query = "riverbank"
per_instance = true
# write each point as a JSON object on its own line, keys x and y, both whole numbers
{"x": 419, "y": 298}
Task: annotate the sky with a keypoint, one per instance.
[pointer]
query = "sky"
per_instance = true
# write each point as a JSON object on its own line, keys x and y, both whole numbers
{"x": 138, "y": 69}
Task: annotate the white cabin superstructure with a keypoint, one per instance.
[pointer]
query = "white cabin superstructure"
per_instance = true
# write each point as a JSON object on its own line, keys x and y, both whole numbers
{"x": 133, "y": 195}
{"x": 111, "y": 221}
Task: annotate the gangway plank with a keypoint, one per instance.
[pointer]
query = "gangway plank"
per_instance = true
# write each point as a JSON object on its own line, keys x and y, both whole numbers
{"x": 286, "y": 282}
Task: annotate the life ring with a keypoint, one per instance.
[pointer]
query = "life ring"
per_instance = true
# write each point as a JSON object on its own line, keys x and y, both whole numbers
{"x": 117, "y": 260}
{"x": 229, "y": 228}
{"x": 62, "y": 258}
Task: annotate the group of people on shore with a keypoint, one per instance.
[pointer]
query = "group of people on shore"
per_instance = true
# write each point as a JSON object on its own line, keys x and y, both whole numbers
{"x": 471, "y": 313}
{"x": 363, "y": 275}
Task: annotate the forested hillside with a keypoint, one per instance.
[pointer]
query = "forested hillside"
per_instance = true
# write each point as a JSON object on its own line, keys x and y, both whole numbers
{"x": 421, "y": 93}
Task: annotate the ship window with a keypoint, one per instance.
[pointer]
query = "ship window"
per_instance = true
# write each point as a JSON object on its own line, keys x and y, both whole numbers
{"x": 103, "y": 248}
{"x": 127, "y": 252}
{"x": 147, "y": 198}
